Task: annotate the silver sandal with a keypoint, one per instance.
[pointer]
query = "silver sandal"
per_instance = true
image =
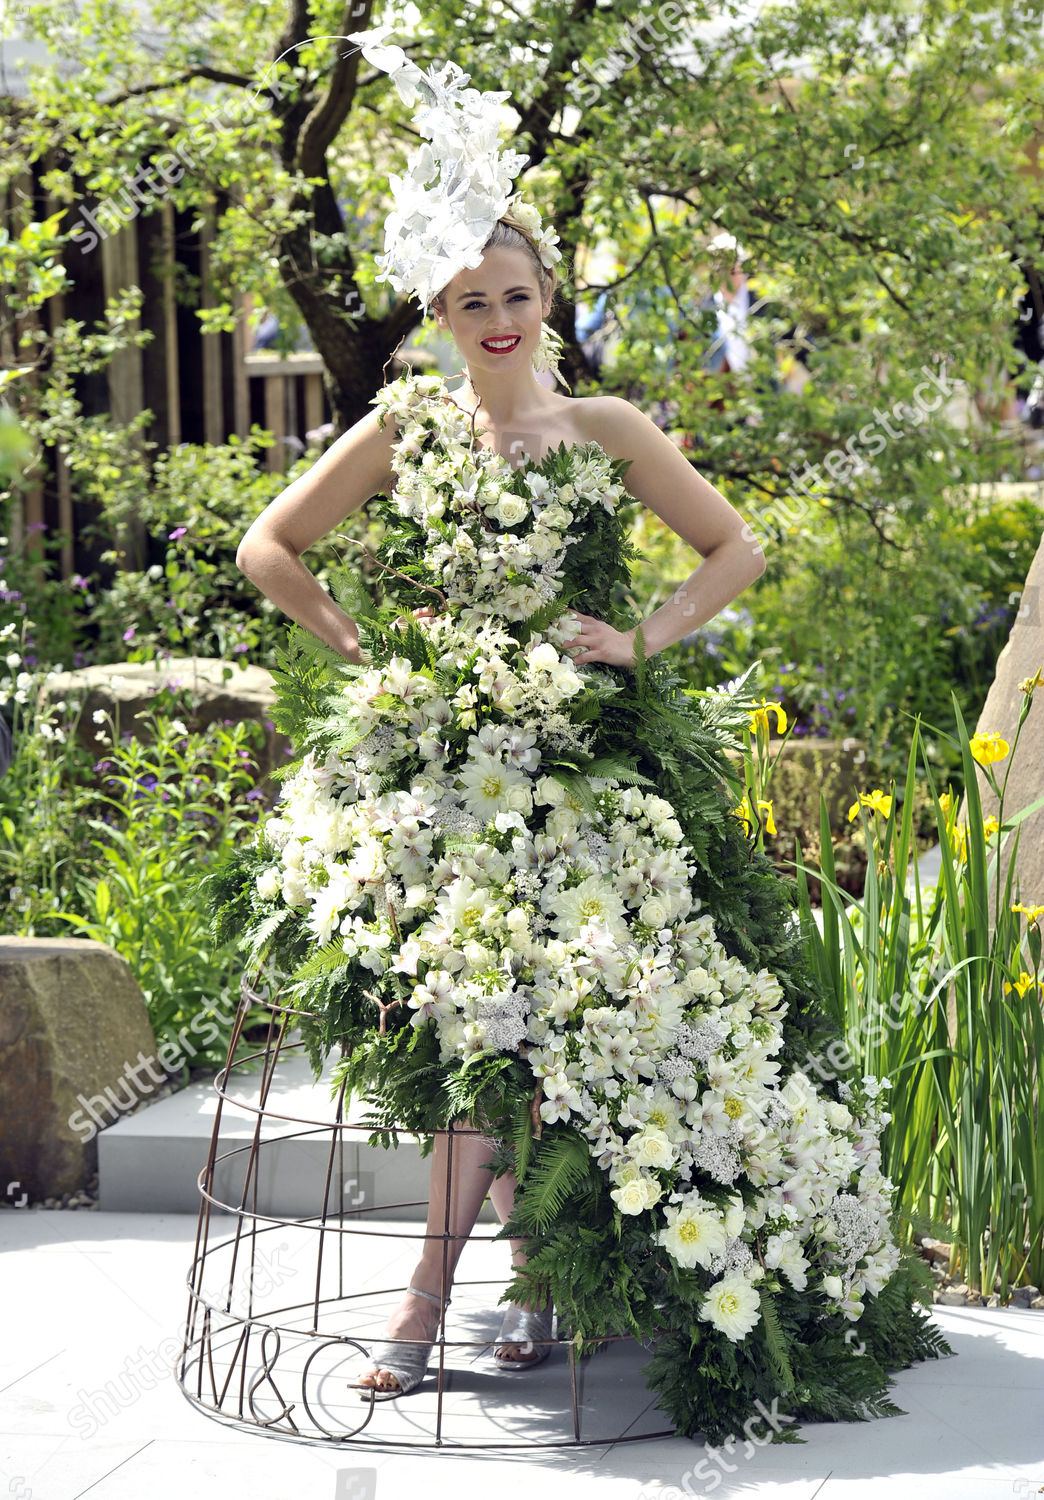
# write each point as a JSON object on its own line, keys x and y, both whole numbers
{"x": 406, "y": 1361}
{"x": 528, "y": 1327}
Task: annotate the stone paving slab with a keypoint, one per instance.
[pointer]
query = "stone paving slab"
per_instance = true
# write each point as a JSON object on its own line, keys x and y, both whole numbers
{"x": 96, "y": 1302}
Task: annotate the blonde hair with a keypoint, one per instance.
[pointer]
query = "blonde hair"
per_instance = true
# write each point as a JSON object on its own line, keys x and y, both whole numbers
{"x": 507, "y": 236}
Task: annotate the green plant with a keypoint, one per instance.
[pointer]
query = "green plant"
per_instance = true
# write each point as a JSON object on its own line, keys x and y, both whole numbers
{"x": 939, "y": 989}
{"x": 114, "y": 849}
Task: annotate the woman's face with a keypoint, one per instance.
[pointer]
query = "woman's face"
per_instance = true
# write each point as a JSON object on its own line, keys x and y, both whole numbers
{"x": 497, "y": 302}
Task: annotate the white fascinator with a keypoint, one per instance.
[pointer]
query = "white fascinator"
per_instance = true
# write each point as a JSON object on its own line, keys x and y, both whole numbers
{"x": 457, "y": 184}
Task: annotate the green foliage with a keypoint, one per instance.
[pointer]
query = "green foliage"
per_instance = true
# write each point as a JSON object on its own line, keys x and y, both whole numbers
{"x": 111, "y": 850}
{"x": 938, "y": 988}
{"x": 842, "y": 645}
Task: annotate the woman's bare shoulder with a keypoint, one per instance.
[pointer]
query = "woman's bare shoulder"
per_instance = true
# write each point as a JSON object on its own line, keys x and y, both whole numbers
{"x": 615, "y": 424}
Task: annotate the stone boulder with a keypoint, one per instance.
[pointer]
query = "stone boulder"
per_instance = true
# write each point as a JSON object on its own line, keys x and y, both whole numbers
{"x": 217, "y": 690}
{"x": 1019, "y": 660}
{"x": 74, "y": 1031}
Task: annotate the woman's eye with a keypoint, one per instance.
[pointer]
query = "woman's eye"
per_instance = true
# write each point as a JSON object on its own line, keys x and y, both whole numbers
{"x": 523, "y": 296}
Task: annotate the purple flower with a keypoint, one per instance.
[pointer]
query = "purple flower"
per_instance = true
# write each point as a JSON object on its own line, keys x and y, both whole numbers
{"x": 241, "y": 647}
{"x": 253, "y": 795}
{"x": 37, "y": 526}
{"x": 128, "y": 634}
{"x": 172, "y": 536}
{"x": 79, "y": 582}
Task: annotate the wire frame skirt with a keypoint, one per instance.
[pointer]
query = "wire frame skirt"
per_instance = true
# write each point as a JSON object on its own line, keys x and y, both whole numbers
{"x": 285, "y": 1309}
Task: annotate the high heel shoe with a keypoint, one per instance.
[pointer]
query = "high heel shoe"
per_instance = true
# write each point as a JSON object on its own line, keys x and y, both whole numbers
{"x": 406, "y": 1361}
{"x": 528, "y": 1327}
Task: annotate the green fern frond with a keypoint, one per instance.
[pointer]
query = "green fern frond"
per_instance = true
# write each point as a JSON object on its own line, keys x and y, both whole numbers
{"x": 561, "y": 1165}
{"x": 776, "y": 1343}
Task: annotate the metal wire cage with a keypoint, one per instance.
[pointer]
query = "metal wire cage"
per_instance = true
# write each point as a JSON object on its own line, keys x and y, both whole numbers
{"x": 256, "y": 1358}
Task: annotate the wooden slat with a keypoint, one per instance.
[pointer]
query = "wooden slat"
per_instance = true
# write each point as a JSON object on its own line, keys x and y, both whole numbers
{"x": 313, "y": 402}
{"x": 240, "y": 379}
{"x": 275, "y": 420}
{"x": 213, "y": 423}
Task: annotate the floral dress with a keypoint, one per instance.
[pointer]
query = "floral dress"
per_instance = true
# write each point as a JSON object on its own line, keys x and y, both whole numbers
{"x": 510, "y": 887}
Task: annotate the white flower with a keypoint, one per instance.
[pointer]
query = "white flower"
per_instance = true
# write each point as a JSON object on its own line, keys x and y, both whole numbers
{"x": 832, "y": 1286}
{"x": 694, "y": 1235}
{"x": 486, "y": 783}
{"x": 269, "y": 883}
{"x": 636, "y": 1194}
{"x": 651, "y": 1148}
{"x": 99, "y": 715}
{"x": 511, "y": 509}
{"x": 654, "y": 912}
{"x": 593, "y": 900}
{"x": 733, "y": 1306}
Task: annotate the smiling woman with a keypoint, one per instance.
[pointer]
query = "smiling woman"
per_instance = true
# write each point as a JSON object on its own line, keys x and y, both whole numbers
{"x": 506, "y": 878}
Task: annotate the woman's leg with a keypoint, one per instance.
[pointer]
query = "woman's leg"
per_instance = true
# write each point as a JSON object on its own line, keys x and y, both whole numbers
{"x": 453, "y": 1207}
{"x": 502, "y": 1196}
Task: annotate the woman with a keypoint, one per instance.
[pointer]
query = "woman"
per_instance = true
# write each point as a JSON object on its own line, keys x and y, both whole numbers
{"x": 506, "y": 877}
{"x": 495, "y": 314}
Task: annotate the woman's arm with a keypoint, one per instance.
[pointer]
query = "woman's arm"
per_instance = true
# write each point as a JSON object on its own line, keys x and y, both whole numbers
{"x": 664, "y": 480}
{"x": 352, "y": 469}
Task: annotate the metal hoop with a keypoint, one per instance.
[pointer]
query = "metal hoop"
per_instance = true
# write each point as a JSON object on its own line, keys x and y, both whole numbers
{"x": 254, "y": 1364}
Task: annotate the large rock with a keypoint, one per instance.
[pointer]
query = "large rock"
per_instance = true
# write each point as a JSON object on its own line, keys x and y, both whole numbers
{"x": 1019, "y": 660}
{"x": 73, "y": 1024}
{"x": 217, "y": 690}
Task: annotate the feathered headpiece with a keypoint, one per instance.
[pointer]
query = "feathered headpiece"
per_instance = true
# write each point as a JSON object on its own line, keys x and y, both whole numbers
{"x": 457, "y": 185}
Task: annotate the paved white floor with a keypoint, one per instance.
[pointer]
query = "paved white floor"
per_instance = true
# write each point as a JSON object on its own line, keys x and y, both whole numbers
{"x": 95, "y": 1303}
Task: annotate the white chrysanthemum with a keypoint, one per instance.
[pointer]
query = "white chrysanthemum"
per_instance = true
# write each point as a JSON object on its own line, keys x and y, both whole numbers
{"x": 486, "y": 783}
{"x": 733, "y": 1306}
{"x": 694, "y": 1234}
{"x": 593, "y": 900}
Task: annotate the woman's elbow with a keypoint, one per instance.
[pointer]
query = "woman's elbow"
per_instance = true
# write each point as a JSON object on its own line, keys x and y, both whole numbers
{"x": 755, "y": 553}
{"x": 253, "y": 549}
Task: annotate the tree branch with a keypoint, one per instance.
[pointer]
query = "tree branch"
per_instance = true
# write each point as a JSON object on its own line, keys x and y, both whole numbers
{"x": 215, "y": 75}
{"x": 326, "y": 119}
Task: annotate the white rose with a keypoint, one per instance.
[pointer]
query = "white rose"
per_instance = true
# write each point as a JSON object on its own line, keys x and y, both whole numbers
{"x": 550, "y": 791}
{"x": 555, "y": 516}
{"x": 477, "y": 955}
{"x": 269, "y": 883}
{"x": 651, "y": 1148}
{"x": 832, "y": 1286}
{"x": 544, "y": 657}
{"x": 520, "y": 799}
{"x": 630, "y": 1197}
{"x": 511, "y": 509}
{"x": 654, "y": 912}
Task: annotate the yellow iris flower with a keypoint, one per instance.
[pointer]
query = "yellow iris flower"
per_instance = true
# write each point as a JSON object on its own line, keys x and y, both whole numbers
{"x": 1021, "y": 984}
{"x": 878, "y": 802}
{"x": 1029, "y": 683}
{"x": 988, "y": 747}
{"x": 759, "y": 718}
{"x": 1031, "y": 913}
{"x": 749, "y": 821}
